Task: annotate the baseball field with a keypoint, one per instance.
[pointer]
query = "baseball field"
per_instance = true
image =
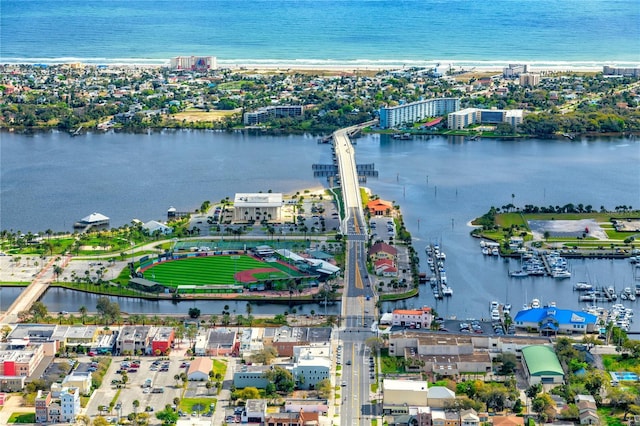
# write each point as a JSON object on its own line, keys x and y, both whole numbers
{"x": 222, "y": 269}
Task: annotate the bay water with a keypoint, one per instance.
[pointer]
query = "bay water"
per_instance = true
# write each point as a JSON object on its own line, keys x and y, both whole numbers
{"x": 49, "y": 180}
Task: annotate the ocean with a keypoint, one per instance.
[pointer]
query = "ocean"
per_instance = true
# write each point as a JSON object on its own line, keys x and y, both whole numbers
{"x": 324, "y": 33}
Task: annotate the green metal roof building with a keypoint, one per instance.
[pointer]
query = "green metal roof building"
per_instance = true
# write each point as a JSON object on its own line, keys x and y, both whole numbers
{"x": 542, "y": 365}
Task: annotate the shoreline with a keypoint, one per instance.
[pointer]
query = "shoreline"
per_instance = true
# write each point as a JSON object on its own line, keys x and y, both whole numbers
{"x": 335, "y": 65}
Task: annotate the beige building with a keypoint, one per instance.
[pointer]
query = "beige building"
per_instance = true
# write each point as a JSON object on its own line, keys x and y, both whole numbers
{"x": 257, "y": 207}
{"x": 529, "y": 79}
{"x": 398, "y": 394}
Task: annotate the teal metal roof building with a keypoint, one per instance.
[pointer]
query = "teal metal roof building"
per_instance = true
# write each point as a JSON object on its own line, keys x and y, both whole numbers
{"x": 541, "y": 365}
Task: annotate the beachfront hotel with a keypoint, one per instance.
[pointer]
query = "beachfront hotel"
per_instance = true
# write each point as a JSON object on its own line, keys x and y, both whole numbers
{"x": 468, "y": 116}
{"x": 194, "y": 63}
{"x": 393, "y": 117}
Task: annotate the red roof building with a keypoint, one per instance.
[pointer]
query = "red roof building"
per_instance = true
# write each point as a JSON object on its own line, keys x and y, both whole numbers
{"x": 379, "y": 207}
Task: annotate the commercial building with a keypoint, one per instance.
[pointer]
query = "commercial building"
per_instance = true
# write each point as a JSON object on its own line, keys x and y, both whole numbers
{"x": 251, "y": 207}
{"x": 162, "y": 340}
{"x": 199, "y": 369}
{"x": 541, "y": 365}
{"x": 20, "y": 362}
{"x": 468, "y": 116}
{"x": 398, "y": 394}
{"x": 276, "y": 111}
{"x": 134, "y": 338}
{"x": 553, "y": 320}
{"x": 405, "y": 114}
{"x": 255, "y": 410}
{"x": 418, "y": 318}
{"x": 80, "y": 380}
{"x": 308, "y": 371}
{"x": 251, "y": 375}
{"x": 194, "y": 63}
{"x": 379, "y": 207}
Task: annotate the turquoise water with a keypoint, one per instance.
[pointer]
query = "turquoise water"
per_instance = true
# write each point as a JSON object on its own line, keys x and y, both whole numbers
{"x": 324, "y": 32}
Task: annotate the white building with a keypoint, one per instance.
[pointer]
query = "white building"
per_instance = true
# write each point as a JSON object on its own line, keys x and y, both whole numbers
{"x": 310, "y": 370}
{"x": 152, "y": 226}
{"x": 275, "y": 111}
{"x": 396, "y": 116}
{"x": 257, "y": 206}
{"x": 69, "y": 404}
{"x": 468, "y": 116}
{"x": 77, "y": 380}
{"x": 414, "y": 318}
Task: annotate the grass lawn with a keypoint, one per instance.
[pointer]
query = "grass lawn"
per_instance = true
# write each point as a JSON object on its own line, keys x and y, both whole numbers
{"x": 620, "y": 363}
{"x": 389, "y": 364}
{"x": 203, "y": 270}
{"x": 507, "y": 219}
{"x": 608, "y": 419}
{"x": 219, "y": 367}
{"x": 22, "y": 418}
{"x": 189, "y": 405}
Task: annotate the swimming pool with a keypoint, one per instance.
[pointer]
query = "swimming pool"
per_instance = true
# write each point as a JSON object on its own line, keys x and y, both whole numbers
{"x": 624, "y": 376}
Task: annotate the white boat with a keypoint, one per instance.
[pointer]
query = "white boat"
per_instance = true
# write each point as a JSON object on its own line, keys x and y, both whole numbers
{"x": 535, "y": 303}
{"x": 518, "y": 274}
{"x": 582, "y": 286}
{"x": 560, "y": 273}
{"x": 447, "y": 291}
{"x": 506, "y": 308}
{"x": 494, "y": 305}
{"x": 485, "y": 251}
{"x": 495, "y": 315}
{"x": 495, "y": 251}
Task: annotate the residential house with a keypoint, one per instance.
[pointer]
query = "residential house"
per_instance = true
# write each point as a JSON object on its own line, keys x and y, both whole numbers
{"x": 588, "y": 413}
{"x": 42, "y": 402}
{"x": 469, "y": 417}
{"x": 69, "y": 404}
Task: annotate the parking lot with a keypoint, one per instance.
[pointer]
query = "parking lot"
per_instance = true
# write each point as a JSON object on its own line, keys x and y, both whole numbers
{"x": 156, "y": 394}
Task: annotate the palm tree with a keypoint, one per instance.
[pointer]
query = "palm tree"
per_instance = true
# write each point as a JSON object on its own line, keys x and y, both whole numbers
{"x": 136, "y": 404}
{"x": 83, "y": 312}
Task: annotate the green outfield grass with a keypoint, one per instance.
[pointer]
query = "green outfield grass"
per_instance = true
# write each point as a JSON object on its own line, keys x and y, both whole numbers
{"x": 208, "y": 270}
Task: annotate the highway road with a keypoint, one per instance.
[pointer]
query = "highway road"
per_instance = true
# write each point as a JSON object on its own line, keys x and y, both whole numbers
{"x": 359, "y": 298}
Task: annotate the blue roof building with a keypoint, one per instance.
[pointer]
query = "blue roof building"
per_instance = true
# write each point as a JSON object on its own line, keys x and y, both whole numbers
{"x": 553, "y": 320}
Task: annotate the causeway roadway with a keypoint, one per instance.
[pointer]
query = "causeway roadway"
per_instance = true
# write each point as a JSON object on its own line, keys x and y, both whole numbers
{"x": 359, "y": 298}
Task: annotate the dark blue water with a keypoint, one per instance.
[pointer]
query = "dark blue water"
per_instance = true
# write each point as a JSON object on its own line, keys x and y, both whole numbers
{"x": 441, "y": 184}
{"x": 358, "y": 32}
